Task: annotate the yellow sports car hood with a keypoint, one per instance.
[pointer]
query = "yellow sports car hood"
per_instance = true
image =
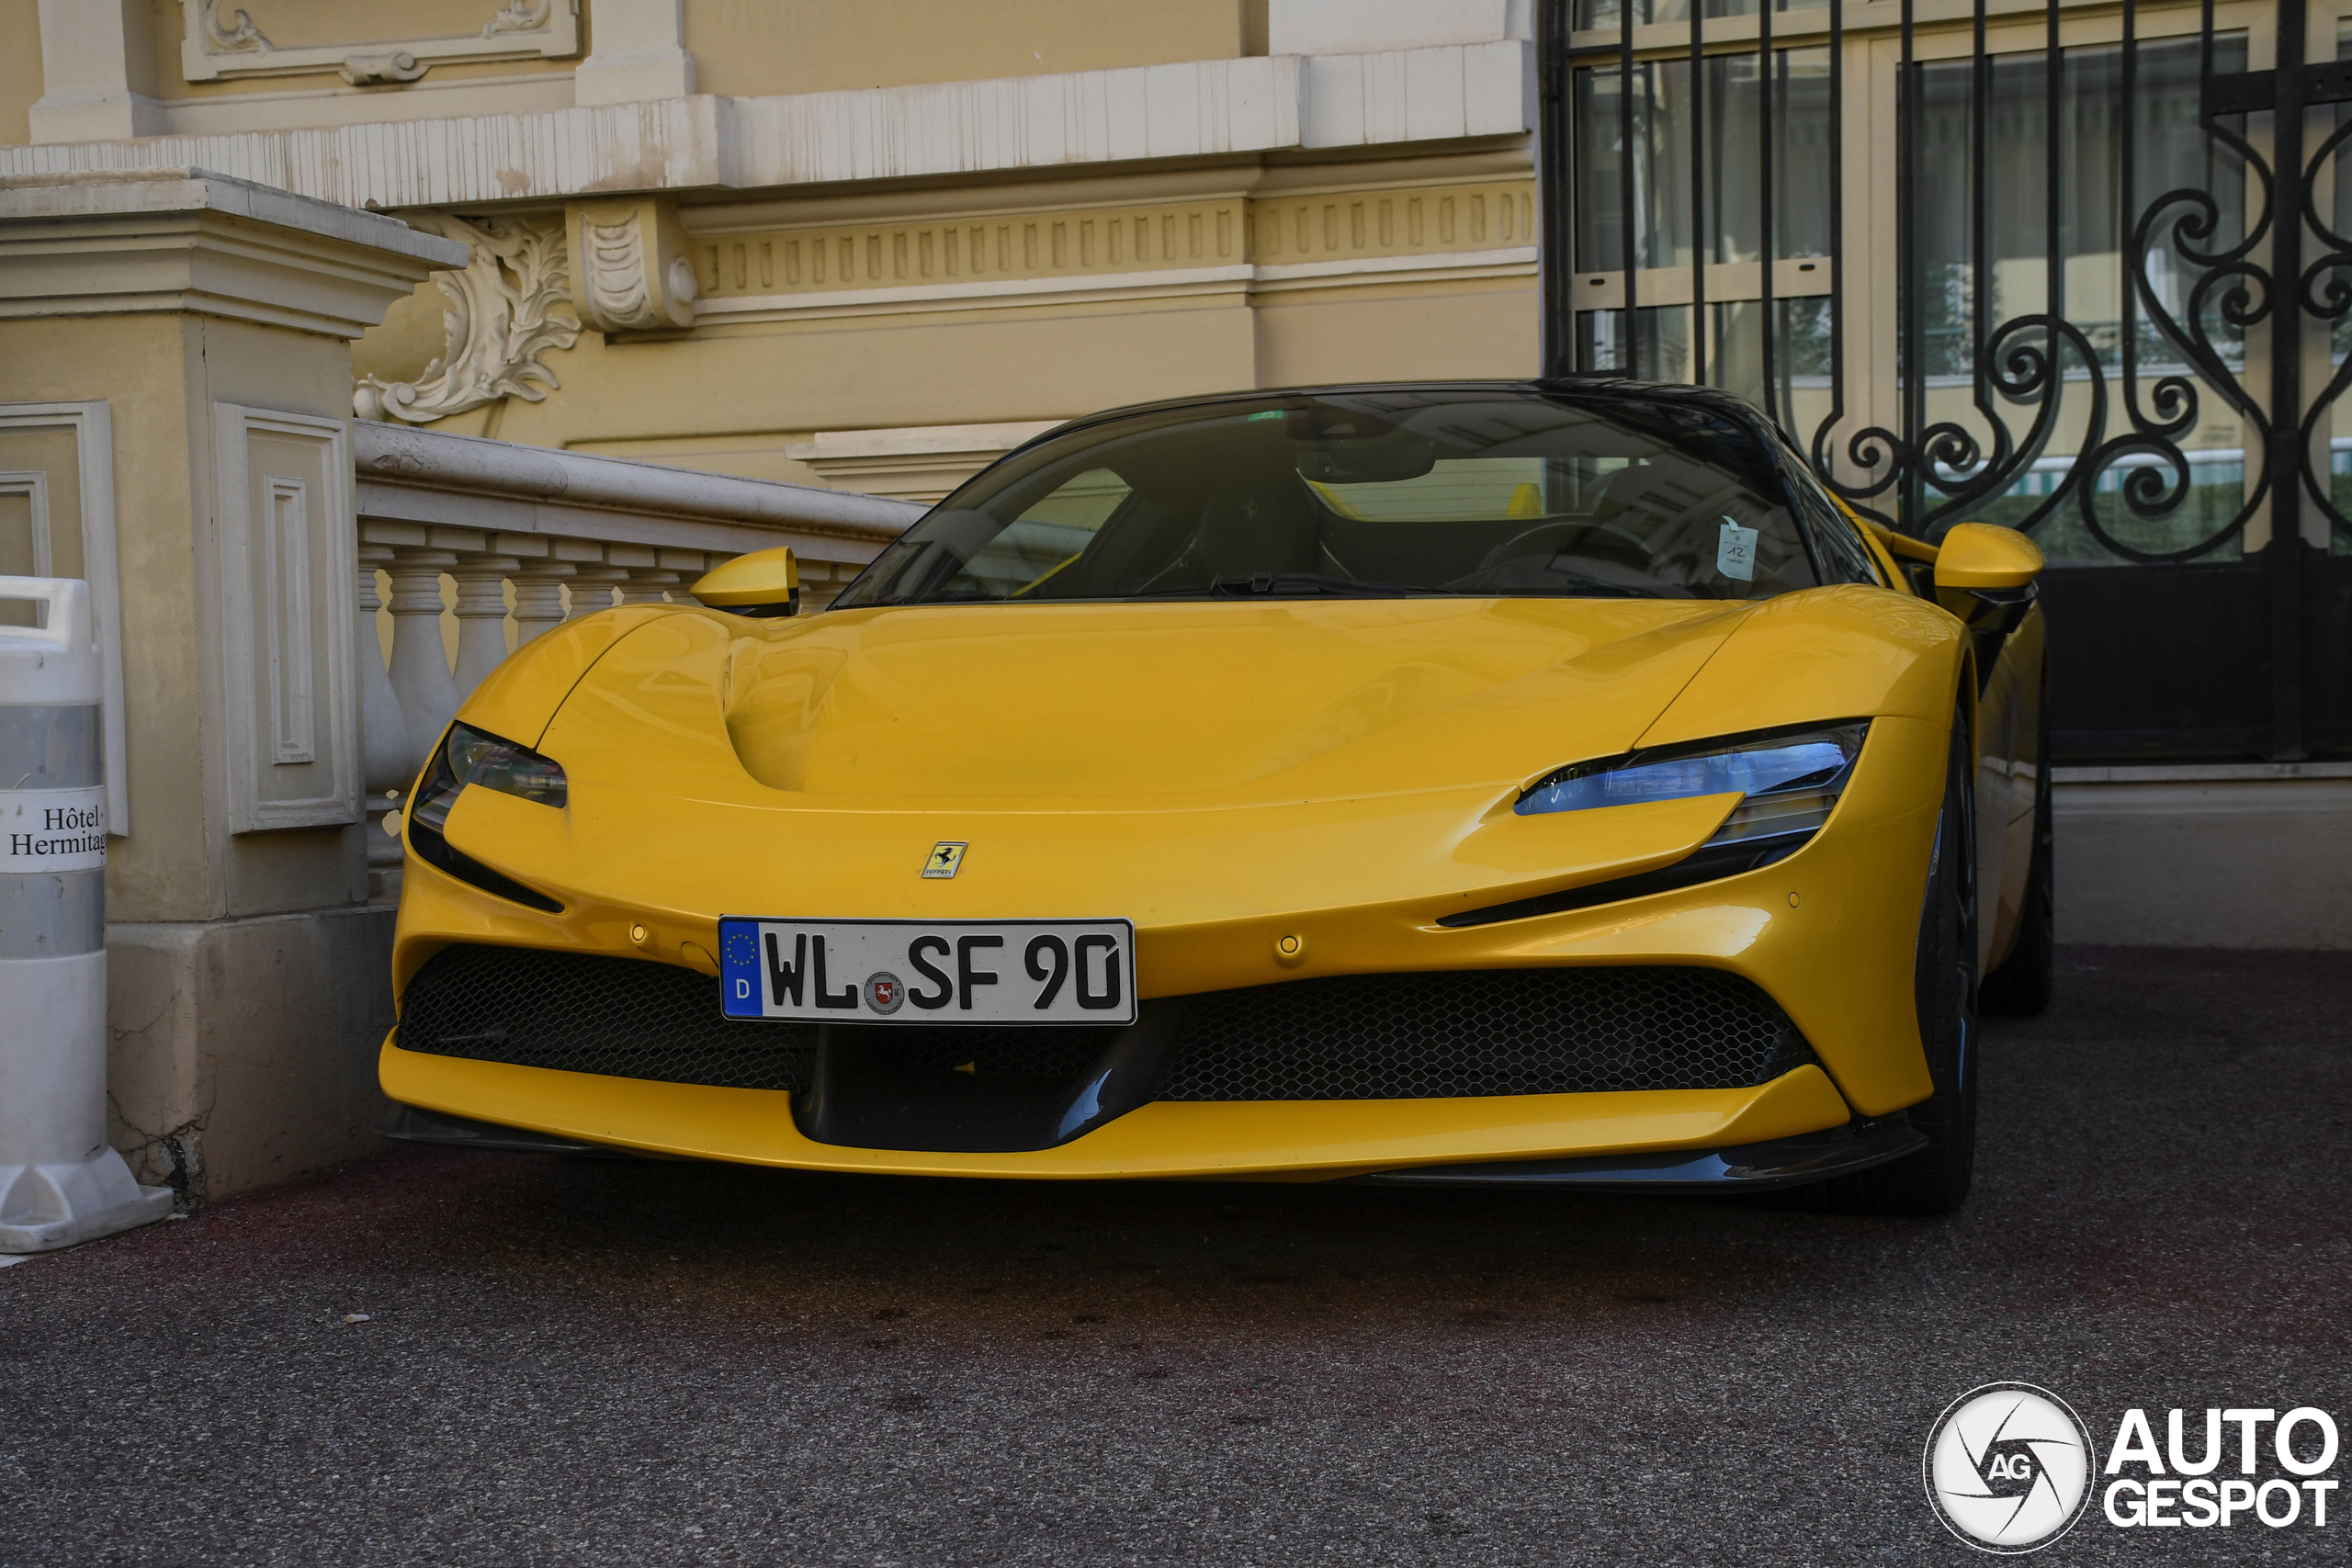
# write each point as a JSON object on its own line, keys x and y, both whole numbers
{"x": 1228, "y": 703}
{"x": 1200, "y": 768}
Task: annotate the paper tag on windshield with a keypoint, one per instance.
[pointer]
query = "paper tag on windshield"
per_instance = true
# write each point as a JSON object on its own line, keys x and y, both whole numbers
{"x": 1735, "y": 552}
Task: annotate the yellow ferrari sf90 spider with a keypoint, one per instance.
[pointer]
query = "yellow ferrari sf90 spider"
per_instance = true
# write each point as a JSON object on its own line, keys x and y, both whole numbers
{"x": 1516, "y": 784}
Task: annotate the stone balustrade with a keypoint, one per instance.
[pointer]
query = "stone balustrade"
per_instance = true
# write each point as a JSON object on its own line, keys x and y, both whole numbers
{"x": 507, "y": 541}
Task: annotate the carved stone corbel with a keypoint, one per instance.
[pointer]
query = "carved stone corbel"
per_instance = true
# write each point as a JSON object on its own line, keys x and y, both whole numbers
{"x": 380, "y": 70}
{"x": 504, "y": 311}
{"x": 631, "y": 267}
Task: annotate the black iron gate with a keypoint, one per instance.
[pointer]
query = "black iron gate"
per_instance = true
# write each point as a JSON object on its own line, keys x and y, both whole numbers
{"x": 2122, "y": 310}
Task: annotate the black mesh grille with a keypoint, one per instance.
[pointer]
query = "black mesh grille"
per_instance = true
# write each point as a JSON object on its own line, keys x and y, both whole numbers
{"x": 622, "y": 1017}
{"x": 1482, "y": 1031}
{"x": 1487, "y": 1032}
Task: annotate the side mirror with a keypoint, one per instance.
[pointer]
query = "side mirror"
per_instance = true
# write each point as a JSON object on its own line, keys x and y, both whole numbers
{"x": 1978, "y": 555}
{"x": 763, "y": 584}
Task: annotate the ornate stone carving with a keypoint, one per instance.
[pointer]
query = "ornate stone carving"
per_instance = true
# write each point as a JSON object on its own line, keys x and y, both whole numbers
{"x": 503, "y": 315}
{"x": 522, "y": 17}
{"x": 632, "y": 268}
{"x": 240, "y": 35}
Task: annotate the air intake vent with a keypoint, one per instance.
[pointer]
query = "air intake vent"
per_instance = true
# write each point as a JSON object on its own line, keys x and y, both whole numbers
{"x": 1483, "y": 1032}
{"x": 623, "y": 1017}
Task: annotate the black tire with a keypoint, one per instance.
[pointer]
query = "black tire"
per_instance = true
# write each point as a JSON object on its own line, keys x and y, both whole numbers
{"x": 2020, "y": 988}
{"x": 1934, "y": 1180}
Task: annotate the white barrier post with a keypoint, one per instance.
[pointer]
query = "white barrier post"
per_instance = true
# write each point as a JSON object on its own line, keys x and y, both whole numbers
{"x": 61, "y": 1181}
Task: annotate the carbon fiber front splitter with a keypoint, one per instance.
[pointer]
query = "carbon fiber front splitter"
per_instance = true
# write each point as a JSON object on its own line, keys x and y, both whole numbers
{"x": 1751, "y": 1168}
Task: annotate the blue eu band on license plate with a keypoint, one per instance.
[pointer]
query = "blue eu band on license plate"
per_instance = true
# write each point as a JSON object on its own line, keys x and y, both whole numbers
{"x": 929, "y": 972}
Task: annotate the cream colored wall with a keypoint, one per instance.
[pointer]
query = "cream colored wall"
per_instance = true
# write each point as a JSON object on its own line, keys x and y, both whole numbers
{"x": 845, "y": 310}
{"x": 411, "y": 336}
{"x": 20, "y": 68}
{"x": 783, "y": 381}
{"x": 160, "y": 374}
{"x": 810, "y": 46}
{"x": 1460, "y": 331}
{"x": 750, "y": 49}
{"x": 734, "y": 399}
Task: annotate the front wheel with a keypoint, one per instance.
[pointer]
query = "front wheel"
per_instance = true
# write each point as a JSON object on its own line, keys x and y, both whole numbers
{"x": 1934, "y": 1180}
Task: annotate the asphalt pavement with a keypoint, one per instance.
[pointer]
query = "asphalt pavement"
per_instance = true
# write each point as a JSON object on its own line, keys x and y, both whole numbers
{"x": 461, "y": 1359}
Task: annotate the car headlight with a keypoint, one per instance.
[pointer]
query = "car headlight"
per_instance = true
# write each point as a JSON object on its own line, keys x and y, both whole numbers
{"x": 1792, "y": 781}
{"x": 468, "y": 756}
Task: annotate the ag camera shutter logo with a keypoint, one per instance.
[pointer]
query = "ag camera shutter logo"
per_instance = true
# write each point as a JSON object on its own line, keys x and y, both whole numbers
{"x": 2008, "y": 1467}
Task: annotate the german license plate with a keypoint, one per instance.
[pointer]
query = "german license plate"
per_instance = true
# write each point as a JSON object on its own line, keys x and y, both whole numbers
{"x": 930, "y": 972}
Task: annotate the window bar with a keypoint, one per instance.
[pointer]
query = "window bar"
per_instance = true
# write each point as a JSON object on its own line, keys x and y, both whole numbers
{"x": 1768, "y": 328}
{"x": 1973, "y": 489}
{"x": 1625, "y": 206}
{"x": 1555, "y": 187}
{"x": 1824, "y": 460}
{"x": 2053, "y": 246}
{"x": 1698, "y": 201}
{"x": 1911, "y": 384}
{"x": 2290, "y": 456}
{"x": 2054, "y": 92}
{"x": 2127, "y": 180}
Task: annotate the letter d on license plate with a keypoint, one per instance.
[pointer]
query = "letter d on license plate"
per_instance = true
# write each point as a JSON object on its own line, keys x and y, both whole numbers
{"x": 929, "y": 970}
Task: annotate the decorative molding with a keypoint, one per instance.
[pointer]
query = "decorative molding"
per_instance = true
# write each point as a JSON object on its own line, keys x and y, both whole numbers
{"x": 1288, "y": 236}
{"x": 501, "y": 318}
{"x": 633, "y": 271}
{"x": 91, "y": 425}
{"x": 181, "y": 240}
{"x": 301, "y": 106}
{"x": 213, "y": 50}
{"x": 1365, "y": 272}
{"x": 288, "y": 541}
{"x": 1240, "y": 282}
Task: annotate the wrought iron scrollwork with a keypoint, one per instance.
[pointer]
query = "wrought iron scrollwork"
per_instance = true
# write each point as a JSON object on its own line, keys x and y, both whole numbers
{"x": 2325, "y": 295}
{"x": 1925, "y": 476}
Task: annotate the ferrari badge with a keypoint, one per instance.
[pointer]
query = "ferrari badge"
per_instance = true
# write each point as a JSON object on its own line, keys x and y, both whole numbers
{"x": 944, "y": 859}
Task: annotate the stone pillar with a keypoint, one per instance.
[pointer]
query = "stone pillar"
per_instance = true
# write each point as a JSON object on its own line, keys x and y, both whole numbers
{"x": 641, "y": 53}
{"x": 649, "y": 585}
{"x": 391, "y": 757}
{"x": 538, "y": 599}
{"x": 193, "y": 334}
{"x": 592, "y": 589}
{"x": 96, "y": 56}
{"x": 421, "y": 676}
{"x": 481, "y": 616}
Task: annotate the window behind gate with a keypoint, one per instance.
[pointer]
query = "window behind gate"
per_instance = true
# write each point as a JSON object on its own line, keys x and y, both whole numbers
{"x": 2012, "y": 265}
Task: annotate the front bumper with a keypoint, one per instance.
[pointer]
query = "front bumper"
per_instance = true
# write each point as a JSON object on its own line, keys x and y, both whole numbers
{"x": 1305, "y": 1138}
{"x": 1827, "y": 934}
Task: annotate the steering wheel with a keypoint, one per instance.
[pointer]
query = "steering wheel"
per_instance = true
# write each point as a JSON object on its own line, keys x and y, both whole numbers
{"x": 1635, "y": 552}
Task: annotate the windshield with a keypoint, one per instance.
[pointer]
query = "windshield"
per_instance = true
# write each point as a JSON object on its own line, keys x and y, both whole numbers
{"x": 1377, "y": 494}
